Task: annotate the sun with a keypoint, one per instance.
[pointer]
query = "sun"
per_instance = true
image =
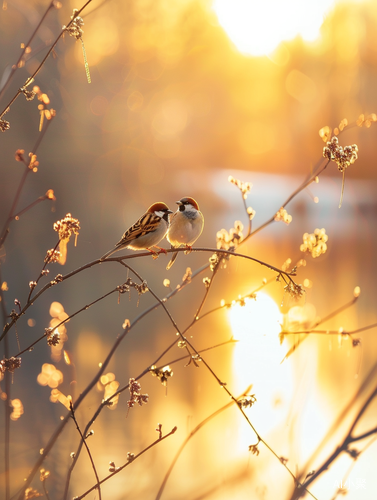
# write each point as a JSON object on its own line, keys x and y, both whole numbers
{"x": 257, "y": 27}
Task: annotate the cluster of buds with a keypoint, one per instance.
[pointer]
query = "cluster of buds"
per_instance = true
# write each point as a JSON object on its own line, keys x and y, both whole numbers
{"x": 283, "y": 215}
{"x": 31, "y": 493}
{"x": 187, "y": 276}
{"x": 112, "y": 467}
{"x": 162, "y": 374}
{"x": 66, "y": 227}
{"x": 44, "y": 112}
{"x": 315, "y": 243}
{"x": 52, "y": 256}
{"x": 207, "y": 282}
{"x": 366, "y": 121}
{"x": 244, "y": 187}
{"x": 33, "y": 162}
{"x": 230, "y": 240}
{"x": 9, "y": 364}
{"x": 342, "y": 157}
{"x": 135, "y": 396}
{"x": 43, "y": 474}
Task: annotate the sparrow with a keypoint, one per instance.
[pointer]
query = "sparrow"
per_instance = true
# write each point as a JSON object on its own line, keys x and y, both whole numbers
{"x": 146, "y": 232}
{"x": 185, "y": 226}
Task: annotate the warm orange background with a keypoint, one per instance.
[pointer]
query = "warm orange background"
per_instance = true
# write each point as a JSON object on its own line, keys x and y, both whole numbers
{"x": 173, "y": 109}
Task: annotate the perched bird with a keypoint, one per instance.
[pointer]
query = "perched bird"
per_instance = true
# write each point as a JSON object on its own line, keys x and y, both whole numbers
{"x": 185, "y": 226}
{"x": 149, "y": 230}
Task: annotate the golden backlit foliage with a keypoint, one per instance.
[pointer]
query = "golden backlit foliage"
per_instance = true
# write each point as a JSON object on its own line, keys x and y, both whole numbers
{"x": 57, "y": 327}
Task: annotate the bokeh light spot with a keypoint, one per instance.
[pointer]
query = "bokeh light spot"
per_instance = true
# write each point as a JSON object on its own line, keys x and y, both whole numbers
{"x": 300, "y": 86}
{"x": 135, "y": 100}
{"x": 99, "y": 105}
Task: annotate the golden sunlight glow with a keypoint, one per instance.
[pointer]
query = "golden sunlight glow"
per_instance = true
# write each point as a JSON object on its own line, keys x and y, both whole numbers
{"x": 257, "y": 358}
{"x": 257, "y": 28}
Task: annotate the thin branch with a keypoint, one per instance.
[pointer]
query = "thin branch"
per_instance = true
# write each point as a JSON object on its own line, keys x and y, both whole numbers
{"x": 84, "y": 308}
{"x": 43, "y": 61}
{"x": 133, "y": 256}
{"x": 16, "y": 66}
{"x": 5, "y": 231}
{"x": 83, "y": 439}
{"x": 192, "y": 433}
{"x": 159, "y": 440}
{"x": 119, "y": 391}
{"x": 7, "y": 409}
{"x": 343, "y": 447}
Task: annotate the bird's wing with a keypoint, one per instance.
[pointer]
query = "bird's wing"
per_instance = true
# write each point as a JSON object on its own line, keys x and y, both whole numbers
{"x": 147, "y": 223}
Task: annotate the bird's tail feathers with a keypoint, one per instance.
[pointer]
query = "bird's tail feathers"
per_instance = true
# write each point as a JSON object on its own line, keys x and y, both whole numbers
{"x": 172, "y": 260}
{"x": 110, "y": 252}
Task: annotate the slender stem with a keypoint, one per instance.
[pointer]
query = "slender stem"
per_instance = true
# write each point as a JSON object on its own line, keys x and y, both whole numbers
{"x": 342, "y": 447}
{"x": 83, "y": 439}
{"x": 159, "y": 440}
{"x": 84, "y": 308}
{"x": 27, "y": 170}
{"x": 43, "y": 60}
{"x": 15, "y": 66}
{"x": 192, "y": 433}
{"x": 138, "y": 255}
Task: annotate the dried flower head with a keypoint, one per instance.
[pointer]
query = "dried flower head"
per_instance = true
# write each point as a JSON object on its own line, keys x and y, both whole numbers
{"x": 29, "y": 94}
{"x": 162, "y": 374}
{"x": 315, "y": 243}
{"x": 135, "y": 395}
{"x": 342, "y": 157}
{"x": 10, "y": 364}
{"x": 66, "y": 227}
{"x": 75, "y": 26}
{"x": 75, "y": 29}
{"x": 254, "y": 449}
{"x": 53, "y": 338}
{"x": 247, "y": 401}
{"x": 296, "y": 291}
{"x": 4, "y": 125}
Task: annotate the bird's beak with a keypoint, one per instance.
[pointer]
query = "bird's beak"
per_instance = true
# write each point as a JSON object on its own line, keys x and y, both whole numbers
{"x": 169, "y": 211}
{"x": 179, "y": 202}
